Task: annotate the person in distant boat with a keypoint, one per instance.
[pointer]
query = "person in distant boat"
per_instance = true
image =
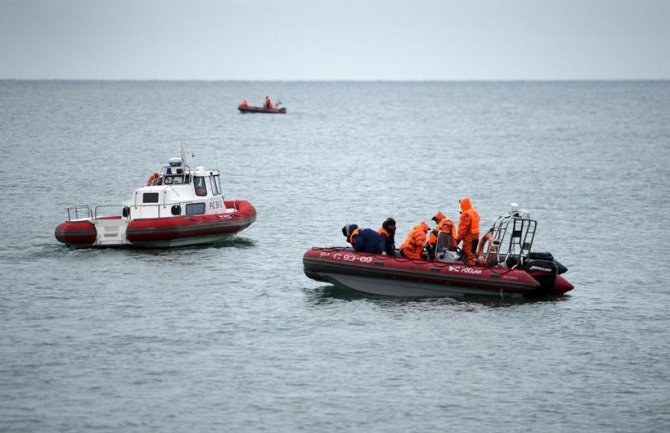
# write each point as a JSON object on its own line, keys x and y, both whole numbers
{"x": 244, "y": 104}
{"x": 444, "y": 225}
{"x": 468, "y": 230}
{"x": 413, "y": 245}
{"x": 363, "y": 240}
{"x": 387, "y": 237}
{"x": 268, "y": 103}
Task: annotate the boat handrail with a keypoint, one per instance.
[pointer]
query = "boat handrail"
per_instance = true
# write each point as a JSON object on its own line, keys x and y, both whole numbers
{"x": 97, "y": 214}
{"x": 85, "y": 212}
{"x": 77, "y": 211}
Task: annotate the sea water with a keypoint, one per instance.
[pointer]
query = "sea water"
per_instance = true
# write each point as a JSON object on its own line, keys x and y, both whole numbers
{"x": 235, "y": 338}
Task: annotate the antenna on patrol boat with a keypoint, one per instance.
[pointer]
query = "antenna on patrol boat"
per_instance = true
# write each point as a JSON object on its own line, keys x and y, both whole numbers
{"x": 183, "y": 156}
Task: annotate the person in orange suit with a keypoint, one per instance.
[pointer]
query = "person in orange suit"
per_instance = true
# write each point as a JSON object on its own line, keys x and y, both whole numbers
{"x": 468, "y": 230}
{"x": 445, "y": 225}
{"x": 413, "y": 245}
{"x": 244, "y": 104}
{"x": 268, "y": 103}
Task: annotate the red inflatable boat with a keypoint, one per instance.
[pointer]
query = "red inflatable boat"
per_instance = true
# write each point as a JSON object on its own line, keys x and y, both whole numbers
{"x": 512, "y": 270}
{"x": 177, "y": 207}
{"x": 253, "y": 109}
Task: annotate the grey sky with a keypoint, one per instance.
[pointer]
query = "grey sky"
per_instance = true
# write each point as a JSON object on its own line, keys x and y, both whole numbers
{"x": 340, "y": 40}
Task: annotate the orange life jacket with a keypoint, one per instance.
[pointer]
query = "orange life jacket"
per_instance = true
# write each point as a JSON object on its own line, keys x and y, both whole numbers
{"x": 383, "y": 231}
{"x": 350, "y": 239}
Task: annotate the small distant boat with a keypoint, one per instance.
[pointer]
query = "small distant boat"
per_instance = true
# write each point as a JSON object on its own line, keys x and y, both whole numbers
{"x": 254, "y": 109}
{"x": 177, "y": 207}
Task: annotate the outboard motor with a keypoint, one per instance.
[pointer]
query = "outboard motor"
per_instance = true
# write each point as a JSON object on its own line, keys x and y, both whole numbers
{"x": 541, "y": 266}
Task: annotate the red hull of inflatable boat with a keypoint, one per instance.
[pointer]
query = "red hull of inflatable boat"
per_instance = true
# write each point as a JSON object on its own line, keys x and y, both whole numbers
{"x": 252, "y": 109}
{"x": 398, "y": 276}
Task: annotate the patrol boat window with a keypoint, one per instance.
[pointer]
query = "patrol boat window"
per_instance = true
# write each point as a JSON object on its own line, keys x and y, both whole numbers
{"x": 195, "y": 208}
{"x": 200, "y": 187}
{"x": 216, "y": 184}
{"x": 150, "y": 197}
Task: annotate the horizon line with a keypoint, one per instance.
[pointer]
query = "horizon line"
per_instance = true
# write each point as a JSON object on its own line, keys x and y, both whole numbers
{"x": 346, "y": 80}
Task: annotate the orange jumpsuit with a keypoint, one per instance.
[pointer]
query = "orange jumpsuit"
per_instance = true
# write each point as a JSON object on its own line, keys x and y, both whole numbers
{"x": 412, "y": 246}
{"x": 468, "y": 230}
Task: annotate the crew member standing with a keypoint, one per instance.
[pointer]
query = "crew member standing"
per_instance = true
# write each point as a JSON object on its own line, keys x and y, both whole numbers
{"x": 468, "y": 230}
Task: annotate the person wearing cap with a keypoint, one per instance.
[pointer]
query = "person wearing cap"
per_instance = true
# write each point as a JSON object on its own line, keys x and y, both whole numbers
{"x": 268, "y": 103}
{"x": 468, "y": 230}
{"x": 363, "y": 240}
{"x": 386, "y": 237}
{"x": 444, "y": 225}
{"x": 413, "y": 245}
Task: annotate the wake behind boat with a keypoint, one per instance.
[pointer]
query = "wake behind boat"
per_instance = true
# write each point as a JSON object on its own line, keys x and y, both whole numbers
{"x": 177, "y": 207}
{"x": 510, "y": 268}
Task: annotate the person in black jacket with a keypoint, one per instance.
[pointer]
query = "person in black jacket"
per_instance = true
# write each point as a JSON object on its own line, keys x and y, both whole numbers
{"x": 386, "y": 237}
{"x": 363, "y": 240}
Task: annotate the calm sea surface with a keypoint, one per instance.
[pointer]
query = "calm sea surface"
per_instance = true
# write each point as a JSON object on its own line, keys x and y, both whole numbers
{"x": 235, "y": 338}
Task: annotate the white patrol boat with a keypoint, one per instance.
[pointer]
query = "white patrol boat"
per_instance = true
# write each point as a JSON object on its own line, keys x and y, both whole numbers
{"x": 178, "y": 206}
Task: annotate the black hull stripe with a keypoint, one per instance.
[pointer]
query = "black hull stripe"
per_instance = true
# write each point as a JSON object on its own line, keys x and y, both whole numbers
{"x": 69, "y": 233}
